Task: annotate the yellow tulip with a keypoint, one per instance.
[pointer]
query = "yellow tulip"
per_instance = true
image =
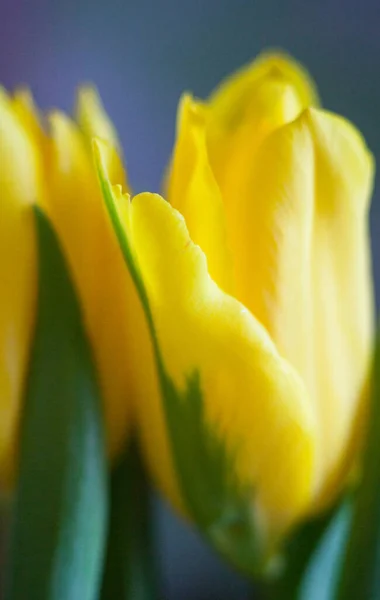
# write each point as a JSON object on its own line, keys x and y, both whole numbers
{"x": 292, "y": 185}
{"x": 256, "y": 282}
{"x": 55, "y": 170}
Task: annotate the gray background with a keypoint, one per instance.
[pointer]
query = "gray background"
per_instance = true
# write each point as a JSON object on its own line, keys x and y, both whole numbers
{"x": 142, "y": 55}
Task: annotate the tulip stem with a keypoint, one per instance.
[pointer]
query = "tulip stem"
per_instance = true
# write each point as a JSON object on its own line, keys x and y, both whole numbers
{"x": 130, "y": 572}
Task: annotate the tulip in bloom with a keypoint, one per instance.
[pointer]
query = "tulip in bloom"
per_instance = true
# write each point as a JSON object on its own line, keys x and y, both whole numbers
{"x": 55, "y": 170}
{"x": 290, "y": 186}
{"x": 256, "y": 282}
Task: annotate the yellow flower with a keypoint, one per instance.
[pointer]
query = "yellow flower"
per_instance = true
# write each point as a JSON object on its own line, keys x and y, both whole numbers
{"x": 263, "y": 349}
{"x": 290, "y": 186}
{"x": 55, "y": 170}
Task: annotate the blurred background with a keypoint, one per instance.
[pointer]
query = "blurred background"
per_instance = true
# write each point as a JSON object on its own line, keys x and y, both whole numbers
{"x": 142, "y": 55}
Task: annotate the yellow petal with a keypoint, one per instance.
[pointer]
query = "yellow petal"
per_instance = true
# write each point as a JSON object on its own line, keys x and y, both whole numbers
{"x": 73, "y": 193}
{"x": 92, "y": 118}
{"x": 248, "y": 389}
{"x": 244, "y": 102}
{"x": 94, "y": 122}
{"x": 77, "y": 212}
{"x": 192, "y": 189}
{"x": 231, "y": 99}
{"x": 343, "y": 292}
{"x": 274, "y": 104}
{"x": 304, "y": 268}
{"x": 20, "y": 187}
{"x": 140, "y": 360}
{"x": 25, "y": 108}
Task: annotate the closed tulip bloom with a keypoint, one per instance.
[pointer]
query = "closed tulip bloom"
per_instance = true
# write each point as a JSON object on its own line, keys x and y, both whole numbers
{"x": 54, "y": 169}
{"x": 289, "y": 187}
{"x": 256, "y": 280}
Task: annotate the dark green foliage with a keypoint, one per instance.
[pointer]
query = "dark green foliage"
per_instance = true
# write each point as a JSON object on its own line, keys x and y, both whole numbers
{"x": 361, "y": 570}
{"x": 59, "y": 517}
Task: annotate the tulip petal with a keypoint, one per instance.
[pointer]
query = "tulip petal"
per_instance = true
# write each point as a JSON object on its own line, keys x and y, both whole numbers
{"x": 94, "y": 122}
{"x": 232, "y": 97}
{"x": 303, "y": 269}
{"x": 273, "y": 104}
{"x": 24, "y": 108}
{"x": 194, "y": 192}
{"x": 106, "y": 292}
{"x": 21, "y": 187}
{"x": 92, "y": 118}
{"x": 221, "y": 378}
{"x": 143, "y": 376}
{"x": 244, "y": 106}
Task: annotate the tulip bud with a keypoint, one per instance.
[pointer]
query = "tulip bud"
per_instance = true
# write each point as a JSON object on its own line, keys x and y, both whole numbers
{"x": 263, "y": 365}
{"x": 295, "y": 183}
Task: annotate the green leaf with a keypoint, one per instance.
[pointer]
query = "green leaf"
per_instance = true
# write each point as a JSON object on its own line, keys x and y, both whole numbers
{"x": 204, "y": 468}
{"x": 59, "y": 520}
{"x": 320, "y": 577}
{"x": 361, "y": 570}
{"x": 130, "y": 570}
{"x": 311, "y": 559}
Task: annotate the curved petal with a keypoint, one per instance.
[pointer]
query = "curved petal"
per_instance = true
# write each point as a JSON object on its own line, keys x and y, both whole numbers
{"x": 304, "y": 268}
{"x": 25, "y": 108}
{"x": 155, "y": 444}
{"x": 230, "y": 99}
{"x": 247, "y": 388}
{"x": 192, "y": 189}
{"x": 21, "y": 187}
{"x": 238, "y": 104}
{"x": 103, "y": 282}
{"x": 94, "y": 122}
{"x": 275, "y": 104}
{"x": 92, "y": 118}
